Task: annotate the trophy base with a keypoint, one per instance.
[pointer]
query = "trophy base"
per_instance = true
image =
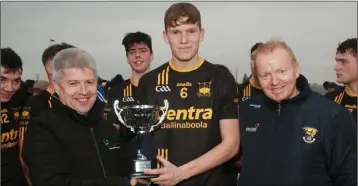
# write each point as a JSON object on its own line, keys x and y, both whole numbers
{"x": 142, "y": 175}
{"x": 141, "y": 164}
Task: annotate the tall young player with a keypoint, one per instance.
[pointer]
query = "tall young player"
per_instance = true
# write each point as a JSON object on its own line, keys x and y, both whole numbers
{"x": 201, "y": 130}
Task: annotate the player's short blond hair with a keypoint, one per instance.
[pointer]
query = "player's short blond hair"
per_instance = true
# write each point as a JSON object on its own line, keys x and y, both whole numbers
{"x": 271, "y": 46}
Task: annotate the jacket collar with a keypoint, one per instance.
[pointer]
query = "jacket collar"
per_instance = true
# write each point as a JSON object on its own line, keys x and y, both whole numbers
{"x": 91, "y": 118}
{"x": 304, "y": 91}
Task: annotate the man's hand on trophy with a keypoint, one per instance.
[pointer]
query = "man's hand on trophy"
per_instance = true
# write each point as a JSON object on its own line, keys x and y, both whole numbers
{"x": 169, "y": 174}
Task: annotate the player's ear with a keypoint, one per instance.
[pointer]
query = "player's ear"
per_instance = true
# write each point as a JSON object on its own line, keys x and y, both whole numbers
{"x": 165, "y": 36}
{"x": 202, "y": 33}
{"x": 151, "y": 57}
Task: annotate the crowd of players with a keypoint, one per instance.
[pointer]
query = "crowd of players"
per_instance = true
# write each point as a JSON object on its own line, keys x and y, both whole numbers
{"x": 69, "y": 133}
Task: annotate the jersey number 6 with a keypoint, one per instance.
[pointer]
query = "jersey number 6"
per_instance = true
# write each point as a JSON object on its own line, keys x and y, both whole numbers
{"x": 184, "y": 92}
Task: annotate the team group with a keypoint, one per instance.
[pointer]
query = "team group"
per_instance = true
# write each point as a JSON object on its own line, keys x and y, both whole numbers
{"x": 269, "y": 130}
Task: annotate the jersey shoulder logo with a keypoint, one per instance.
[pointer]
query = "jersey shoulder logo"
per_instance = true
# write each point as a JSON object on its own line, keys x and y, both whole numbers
{"x": 162, "y": 81}
{"x": 204, "y": 89}
{"x": 127, "y": 99}
{"x": 309, "y": 134}
{"x": 128, "y": 94}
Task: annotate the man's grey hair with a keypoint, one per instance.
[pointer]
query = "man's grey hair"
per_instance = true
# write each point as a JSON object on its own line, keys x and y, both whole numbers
{"x": 72, "y": 58}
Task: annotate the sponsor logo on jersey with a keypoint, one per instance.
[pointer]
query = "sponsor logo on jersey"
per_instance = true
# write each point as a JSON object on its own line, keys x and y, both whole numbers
{"x": 309, "y": 134}
{"x": 185, "y": 84}
{"x": 9, "y": 138}
{"x": 255, "y": 106}
{"x": 11, "y": 135}
{"x": 162, "y": 81}
{"x": 188, "y": 118}
{"x": 252, "y": 129}
{"x": 204, "y": 89}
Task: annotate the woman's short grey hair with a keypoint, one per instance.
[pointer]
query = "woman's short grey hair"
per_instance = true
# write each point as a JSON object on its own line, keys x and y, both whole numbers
{"x": 72, "y": 58}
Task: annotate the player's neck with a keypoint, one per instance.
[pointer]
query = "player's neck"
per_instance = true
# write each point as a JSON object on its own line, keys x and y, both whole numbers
{"x": 185, "y": 65}
{"x": 50, "y": 83}
{"x": 254, "y": 81}
{"x": 136, "y": 77}
{"x": 351, "y": 88}
{"x": 51, "y": 86}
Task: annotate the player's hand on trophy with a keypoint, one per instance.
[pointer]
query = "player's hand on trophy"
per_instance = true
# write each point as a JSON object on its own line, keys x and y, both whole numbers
{"x": 134, "y": 181}
{"x": 169, "y": 174}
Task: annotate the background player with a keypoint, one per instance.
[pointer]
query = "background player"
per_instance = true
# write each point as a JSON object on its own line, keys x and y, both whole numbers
{"x": 11, "y": 102}
{"x": 139, "y": 52}
{"x": 346, "y": 71}
{"x": 251, "y": 86}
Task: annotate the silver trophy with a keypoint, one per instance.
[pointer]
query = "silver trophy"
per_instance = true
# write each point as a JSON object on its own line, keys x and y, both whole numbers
{"x": 141, "y": 119}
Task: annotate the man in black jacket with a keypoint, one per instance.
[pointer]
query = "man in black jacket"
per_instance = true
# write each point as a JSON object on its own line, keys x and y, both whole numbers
{"x": 291, "y": 135}
{"x": 70, "y": 144}
{"x": 36, "y": 104}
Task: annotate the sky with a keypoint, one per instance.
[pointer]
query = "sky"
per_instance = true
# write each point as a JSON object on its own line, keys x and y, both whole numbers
{"x": 312, "y": 29}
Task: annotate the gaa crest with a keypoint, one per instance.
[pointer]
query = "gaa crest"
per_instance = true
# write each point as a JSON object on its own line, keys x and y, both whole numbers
{"x": 309, "y": 134}
{"x": 16, "y": 113}
{"x": 204, "y": 89}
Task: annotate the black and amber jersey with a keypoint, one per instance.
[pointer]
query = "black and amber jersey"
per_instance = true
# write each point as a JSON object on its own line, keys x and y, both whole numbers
{"x": 10, "y": 131}
{"x": 344, "y": 99}
{"x": 248, "y": 89}
{"x": 125, "y": 93}
{"x": 198, "y": 98}
{"x": 33, "y": 107}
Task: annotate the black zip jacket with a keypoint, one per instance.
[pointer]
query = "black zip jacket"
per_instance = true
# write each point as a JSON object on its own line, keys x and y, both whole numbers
{"x": 304, "y": 141}
{"x": 63, "y": 148}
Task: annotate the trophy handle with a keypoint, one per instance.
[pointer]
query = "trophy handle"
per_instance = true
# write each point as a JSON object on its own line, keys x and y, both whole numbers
{"x": 119, "y": 116}
{"x": 162, "y": 117}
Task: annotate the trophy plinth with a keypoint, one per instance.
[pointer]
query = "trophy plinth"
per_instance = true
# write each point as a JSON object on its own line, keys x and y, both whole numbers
{"x": 141, "y": 119}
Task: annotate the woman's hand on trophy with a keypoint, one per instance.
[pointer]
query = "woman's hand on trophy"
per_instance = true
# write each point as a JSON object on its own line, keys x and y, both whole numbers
{"x": 169, "y": 174}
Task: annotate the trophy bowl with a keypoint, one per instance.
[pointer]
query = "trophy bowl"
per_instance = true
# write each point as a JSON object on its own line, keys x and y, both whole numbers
{"x": 141, "y": 119}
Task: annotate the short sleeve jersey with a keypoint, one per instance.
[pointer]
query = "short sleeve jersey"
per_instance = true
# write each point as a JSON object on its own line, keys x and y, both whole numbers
{"x": 341, "y": 97}
{"x": 198, "y": 99}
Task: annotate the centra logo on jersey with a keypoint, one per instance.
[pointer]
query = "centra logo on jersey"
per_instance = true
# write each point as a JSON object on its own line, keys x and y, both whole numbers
{"x": 184, "y": 118}
{"x": 9, "y": 139}
{"x": 162, "y": 81}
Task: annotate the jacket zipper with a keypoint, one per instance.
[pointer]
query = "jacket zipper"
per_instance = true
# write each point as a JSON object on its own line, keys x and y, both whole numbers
{"x": 98, "y": 154}
{"x": 278, "y": 114}
{"x": 279, "y": 109}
